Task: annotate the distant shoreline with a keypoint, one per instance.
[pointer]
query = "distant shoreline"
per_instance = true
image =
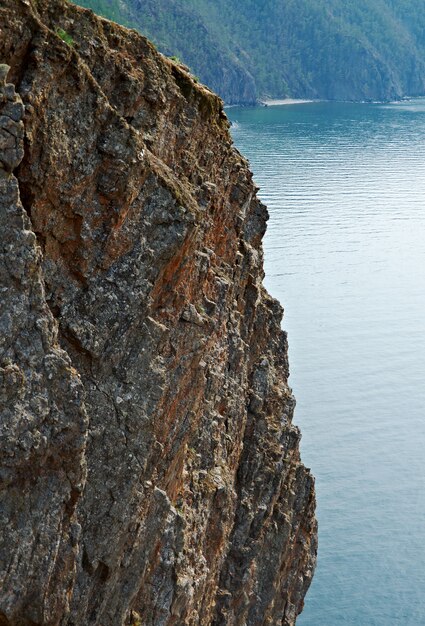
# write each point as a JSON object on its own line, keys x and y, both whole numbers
{"x": 284, "y": 101}
{"x": 265, "y": 102}
{"x": 271, "y": 102}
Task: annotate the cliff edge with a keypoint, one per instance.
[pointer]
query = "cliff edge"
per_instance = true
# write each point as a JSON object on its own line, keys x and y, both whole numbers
{"x": 150, "y": 472}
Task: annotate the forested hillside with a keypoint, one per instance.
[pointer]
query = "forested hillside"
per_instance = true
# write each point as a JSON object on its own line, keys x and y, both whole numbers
{"x": 246, "y": 49}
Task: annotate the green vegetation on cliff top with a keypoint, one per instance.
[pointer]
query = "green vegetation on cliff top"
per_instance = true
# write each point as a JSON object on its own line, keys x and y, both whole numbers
{"x": 332, "y": 49}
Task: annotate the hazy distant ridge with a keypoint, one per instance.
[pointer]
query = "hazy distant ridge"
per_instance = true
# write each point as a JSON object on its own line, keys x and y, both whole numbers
{"x": 330, "y": 49}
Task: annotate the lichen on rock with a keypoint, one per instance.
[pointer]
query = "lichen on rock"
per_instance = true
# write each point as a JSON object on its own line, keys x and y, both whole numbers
{"x": 11, "y": 125}
{"x": 151, "y": 469}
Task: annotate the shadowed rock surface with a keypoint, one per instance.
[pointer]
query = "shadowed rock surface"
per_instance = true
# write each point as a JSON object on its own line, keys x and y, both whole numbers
{"x": 150, "y": 471}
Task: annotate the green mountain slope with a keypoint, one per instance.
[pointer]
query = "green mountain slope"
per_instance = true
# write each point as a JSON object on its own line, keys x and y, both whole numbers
{"x": 332, "y": 49}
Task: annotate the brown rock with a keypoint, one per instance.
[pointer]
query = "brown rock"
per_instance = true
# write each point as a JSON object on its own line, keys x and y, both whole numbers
{"x": 147, "y": 250}
{"x": 43, "y": 425}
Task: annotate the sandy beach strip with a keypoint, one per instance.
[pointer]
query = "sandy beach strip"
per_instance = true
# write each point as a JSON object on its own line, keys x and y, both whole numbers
{"x": 284, "y": 101}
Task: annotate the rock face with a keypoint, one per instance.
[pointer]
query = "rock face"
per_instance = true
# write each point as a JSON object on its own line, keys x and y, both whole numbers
{"x": 150, "y": 471}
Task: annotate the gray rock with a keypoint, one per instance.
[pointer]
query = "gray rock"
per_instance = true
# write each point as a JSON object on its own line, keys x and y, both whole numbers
{"x": 4, "y": 70}
{"x": 11, "y": 125}
{"x": 42, "y": 426}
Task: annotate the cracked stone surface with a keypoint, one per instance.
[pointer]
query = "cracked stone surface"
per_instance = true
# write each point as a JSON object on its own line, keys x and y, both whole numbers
{"x": 43, "y": 422}
{"x": 151, "y": 470}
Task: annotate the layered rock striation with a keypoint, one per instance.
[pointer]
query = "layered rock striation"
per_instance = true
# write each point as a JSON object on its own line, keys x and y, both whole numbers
{"x": 150, "y": 471}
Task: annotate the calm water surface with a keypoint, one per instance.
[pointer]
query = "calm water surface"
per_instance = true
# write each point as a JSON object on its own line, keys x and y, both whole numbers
{"x": 345, "y": 254}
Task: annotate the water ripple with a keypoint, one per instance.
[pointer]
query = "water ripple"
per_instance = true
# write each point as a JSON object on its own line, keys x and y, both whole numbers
{"x": 345, "y": 253}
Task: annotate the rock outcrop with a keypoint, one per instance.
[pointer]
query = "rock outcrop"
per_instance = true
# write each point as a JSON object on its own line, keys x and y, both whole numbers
{"x": 150, "y": 472}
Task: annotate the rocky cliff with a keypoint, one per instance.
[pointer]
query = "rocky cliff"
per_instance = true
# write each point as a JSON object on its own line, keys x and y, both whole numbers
{"x": 150, "y": 473}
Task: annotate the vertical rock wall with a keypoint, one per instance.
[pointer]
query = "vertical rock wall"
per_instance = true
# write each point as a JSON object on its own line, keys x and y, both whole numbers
{"x": 43, "y": 421}
{"x": 141, "y": 234}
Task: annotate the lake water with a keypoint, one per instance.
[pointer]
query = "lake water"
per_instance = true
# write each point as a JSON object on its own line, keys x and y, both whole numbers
{"x": 345, "y": 254}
